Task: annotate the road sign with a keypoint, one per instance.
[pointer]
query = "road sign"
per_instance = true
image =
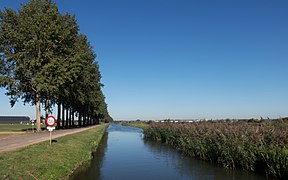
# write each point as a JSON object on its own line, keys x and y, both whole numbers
{"x": 50, "y": 121}
{"x": 50, "y": 128}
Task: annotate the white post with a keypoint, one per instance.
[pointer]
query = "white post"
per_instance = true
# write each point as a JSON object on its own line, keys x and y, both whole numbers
{"x": 50, "y": 137}
{"x": 32, "y": 127}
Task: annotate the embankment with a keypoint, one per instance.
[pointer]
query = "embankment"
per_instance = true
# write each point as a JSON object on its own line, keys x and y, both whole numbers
{"x": 56, "y": 161}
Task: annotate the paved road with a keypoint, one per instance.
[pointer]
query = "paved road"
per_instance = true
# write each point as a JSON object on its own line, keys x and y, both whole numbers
{"x": 10, "y": 143}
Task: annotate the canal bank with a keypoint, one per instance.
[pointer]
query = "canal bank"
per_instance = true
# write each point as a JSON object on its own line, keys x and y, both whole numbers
{"x": 56, "y": 161}
{"x": 124, "y": 154}
{"x": 259, "y": 147}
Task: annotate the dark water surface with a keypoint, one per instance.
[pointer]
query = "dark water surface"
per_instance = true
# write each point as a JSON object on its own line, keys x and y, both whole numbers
{"x": 124, "y": 155}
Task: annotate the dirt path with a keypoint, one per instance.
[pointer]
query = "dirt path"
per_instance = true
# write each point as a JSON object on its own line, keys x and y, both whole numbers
{"x": 10, "y": 143}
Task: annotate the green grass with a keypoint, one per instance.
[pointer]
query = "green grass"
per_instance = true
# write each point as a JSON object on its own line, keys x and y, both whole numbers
{"x": 15, "y": 127}
{"x": 56, "y": 161}
{"x": 4, "y": 128}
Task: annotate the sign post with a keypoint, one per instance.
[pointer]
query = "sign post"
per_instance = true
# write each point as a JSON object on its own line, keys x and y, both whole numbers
{"x": 32, "y": 126}
{"x": 50, "y": 123}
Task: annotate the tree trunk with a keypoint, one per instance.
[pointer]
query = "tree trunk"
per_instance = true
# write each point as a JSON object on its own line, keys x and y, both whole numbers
{"x": 58, "y": 114}
{"x": 84, "y": 120}
{"x": 38, "y": 119}
{"x": 67, "y": 118}
{"x": 80, "y": 120}
{"x": 73, "y": 124}
{"x": 46, "y": 107}
{"x": 70, "y": 117}
{"x": 63, "y": 116}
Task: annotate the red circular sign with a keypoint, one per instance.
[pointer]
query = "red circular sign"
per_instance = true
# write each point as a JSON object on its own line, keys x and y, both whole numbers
{"x": 50, "y": 121}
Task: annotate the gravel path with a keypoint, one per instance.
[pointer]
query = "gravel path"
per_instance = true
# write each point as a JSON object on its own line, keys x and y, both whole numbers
{"x": 11, "y": 143}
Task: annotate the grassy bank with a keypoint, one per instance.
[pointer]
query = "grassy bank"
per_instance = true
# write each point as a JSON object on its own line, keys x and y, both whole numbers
{"x": 254, "y": 146}
{"x": 56, "y": 161}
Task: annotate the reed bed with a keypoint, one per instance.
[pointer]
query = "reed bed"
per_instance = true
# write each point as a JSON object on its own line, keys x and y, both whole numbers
{"x": 254, "y": 146}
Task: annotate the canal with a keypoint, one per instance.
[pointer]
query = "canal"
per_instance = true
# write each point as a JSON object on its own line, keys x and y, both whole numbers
{"x": 124, "y": 154}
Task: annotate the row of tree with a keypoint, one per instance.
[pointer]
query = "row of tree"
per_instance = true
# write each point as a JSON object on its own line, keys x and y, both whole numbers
{"x": 45, "y": 59}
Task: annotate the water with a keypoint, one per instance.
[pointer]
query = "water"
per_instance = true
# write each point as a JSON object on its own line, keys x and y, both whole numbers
{"x": 124, "y": 155}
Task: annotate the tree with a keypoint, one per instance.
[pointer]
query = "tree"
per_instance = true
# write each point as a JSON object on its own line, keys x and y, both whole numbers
{"x": 45, "y": 59}
{"x": 36, "y": 42}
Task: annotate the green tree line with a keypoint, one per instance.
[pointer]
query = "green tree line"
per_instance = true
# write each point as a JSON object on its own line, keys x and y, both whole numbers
{"x": 45, "y": 59}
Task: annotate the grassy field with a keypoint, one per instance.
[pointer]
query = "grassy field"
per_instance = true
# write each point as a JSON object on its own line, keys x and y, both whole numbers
{"x": 56, "y": 161}
{"x": 254, "y": 146}
{"x": 15, "y": 128}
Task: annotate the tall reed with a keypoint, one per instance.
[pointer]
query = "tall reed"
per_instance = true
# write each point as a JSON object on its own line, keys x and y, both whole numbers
{"x": 253, "y": 146}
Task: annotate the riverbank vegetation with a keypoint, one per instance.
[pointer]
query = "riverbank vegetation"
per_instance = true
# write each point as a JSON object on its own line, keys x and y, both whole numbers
{"x": 45, "y": 59}
{"x": 56, "y": 161}
{"x": 135, "y": 124}
{"x": 254, "y": 146}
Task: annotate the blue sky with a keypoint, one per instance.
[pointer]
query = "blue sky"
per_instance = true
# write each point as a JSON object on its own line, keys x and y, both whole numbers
{"x": 184, "y": 59}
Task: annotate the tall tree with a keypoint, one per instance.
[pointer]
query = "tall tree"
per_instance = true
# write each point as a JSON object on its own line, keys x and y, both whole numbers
{"x": 34, "y": 46}
{"x": 45, "y": 59}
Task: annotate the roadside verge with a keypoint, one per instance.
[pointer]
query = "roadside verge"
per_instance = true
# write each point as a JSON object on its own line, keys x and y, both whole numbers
{"x": 56, "y": 161}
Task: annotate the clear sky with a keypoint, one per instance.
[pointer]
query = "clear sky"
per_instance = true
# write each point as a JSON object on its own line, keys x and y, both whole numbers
{"x": 184, "y": 58}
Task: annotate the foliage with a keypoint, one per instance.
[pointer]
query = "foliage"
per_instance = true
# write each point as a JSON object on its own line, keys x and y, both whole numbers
{"x": 260, "y": 147}
{"x": 44, "y": 58}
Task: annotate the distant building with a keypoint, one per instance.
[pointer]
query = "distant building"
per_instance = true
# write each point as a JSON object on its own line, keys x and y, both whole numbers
{"x": 14, "y": 119}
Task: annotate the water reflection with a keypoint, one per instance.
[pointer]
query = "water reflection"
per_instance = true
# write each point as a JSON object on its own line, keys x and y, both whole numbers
{"x": 124, "y": 154}
{"x": 191, "y": 168}
{"x": 92, "y": 170}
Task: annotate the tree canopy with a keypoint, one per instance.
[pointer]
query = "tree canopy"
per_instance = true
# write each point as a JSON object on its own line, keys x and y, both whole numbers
{"x": 44, "y": 58}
